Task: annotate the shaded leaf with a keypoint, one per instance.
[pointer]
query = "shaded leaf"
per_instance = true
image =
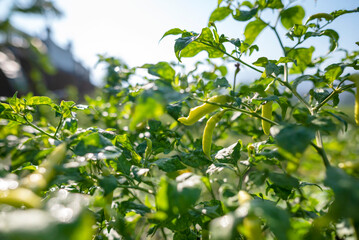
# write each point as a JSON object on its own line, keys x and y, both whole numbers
{"x": 169, "y": 164}
{"x": 242, "y": 15}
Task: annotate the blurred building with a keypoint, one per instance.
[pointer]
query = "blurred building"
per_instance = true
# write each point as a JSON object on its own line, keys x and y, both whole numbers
{"x": 39, "y": 66}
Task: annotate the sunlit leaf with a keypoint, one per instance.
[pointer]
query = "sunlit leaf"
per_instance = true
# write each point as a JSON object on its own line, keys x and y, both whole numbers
{"x": 253, "y": 29}
{"x": 291, "y": 16}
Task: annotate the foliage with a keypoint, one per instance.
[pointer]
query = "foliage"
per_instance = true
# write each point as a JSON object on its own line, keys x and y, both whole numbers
{"x": 136, "y": 171}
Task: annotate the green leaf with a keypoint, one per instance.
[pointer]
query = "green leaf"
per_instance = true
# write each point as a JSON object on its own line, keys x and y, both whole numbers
{"x": 15, "y": 103}
{"x": 294, "y": 139}
{"x": 245, "y": 15}
{"x": 39, "y": 100}
{"x": 236, "y": 42}
{"x": 284, "y": 180}
{"x": 220, "y": 13}
{"x": 272, "y": 68}
{"x": 98, "y": 145}
{"x": 346, "y": 191}
{"x": 342, "y": 12}
{"x": 221, "y": 82}
{"x": 108, "y": 183}
{"x": 169, "y": 164}
{"x": 181, "y": 43}
{"x": 222, "y": 228}
{"x": 333, "y": 71}
{"x": 261, "y": 62}
{"x": 333, "y": 36}
{"x": 253, "y": 29}
{"x": 161, "y": 69}
{"x": 320, "y": 16}
{"x": 275, "y": 4}
{"x": 298, "y": 30}
{"x": 173, "y": 31}
{"x": 230, "y": 154}
{"x": 12, "y": 117}
{"x": 70, "y": 124}
{"x": 276, "y": 218}
{"x": 291, "y": 16}
{"x": 177, "y": 197}
{"x": 3, "y": 107}
{"x": 303, "y": 57}
{"x": 174, "y": 110}
{"x": 300, "y": 79}
{"x": 124, "y": 141}
{"x": 285, "y": 60}
{"x": 319, "y": 94}
{"x": 146, "y": 109}
{"x": 192, "y": 45}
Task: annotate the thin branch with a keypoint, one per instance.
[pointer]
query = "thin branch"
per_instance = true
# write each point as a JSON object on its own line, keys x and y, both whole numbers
{"x": 322, "y": 153}
{"x": 229, "y": 55}
{"x": 331, "y": 95}
{"x": 295, "y": 93}
{"x": 240, "y": 110}
{"x": 39, "y": 129}
{"x": 279, "y": 39}
{"x": 59, "y": 125}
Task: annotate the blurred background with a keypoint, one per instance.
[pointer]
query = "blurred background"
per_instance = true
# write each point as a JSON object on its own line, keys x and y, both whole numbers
{"x": 54, "y": 45}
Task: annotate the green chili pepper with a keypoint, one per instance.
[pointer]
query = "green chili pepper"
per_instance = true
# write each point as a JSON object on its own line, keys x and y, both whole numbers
{"x": 198, "y": 112}
{"x": 355, "y": 79}
{"x": 39, "y": 179}
{"x": 208, "y": 132}
{"x": 267, "y": 113}
{"x": 20, "y": 197}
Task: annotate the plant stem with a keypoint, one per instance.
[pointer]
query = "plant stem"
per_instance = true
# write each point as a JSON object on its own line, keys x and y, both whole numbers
{"x": 59, "y": 125}
{"x": 335, "y": 91}
{"x": 39, "y": 129}
{"x": 229, "y": 55}
{"x": 235, "y": 78}
{"x": 322, "y": 153}
{"x": 295, "y": 93}
{"x": 279, "y": 39}
{"x": 164, "y": 234}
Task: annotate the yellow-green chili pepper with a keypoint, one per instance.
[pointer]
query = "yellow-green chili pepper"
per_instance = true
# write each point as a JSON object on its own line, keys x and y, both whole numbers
{"x": 267, "y": 113}
{"x": 39, "y": 179}
{"x": 20, "y": 197}
{"x": 198, "y": 112}
{"x": 252, "y": 226}
{"x": 355, "y": 78}
{"x": 208, "y": 132}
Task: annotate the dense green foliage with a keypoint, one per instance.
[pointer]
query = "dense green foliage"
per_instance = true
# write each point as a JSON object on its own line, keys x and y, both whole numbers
{"x": 122, "y": 166}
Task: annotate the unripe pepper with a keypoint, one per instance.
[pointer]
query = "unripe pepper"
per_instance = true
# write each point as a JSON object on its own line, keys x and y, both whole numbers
{"x": 198, "y": 112}
{"x": 208, "y": 132}
{"x": 355, "y": 79}
{"x": 39, "y": 179}
{"x": 252, "y": 226}
{"x": 20, "y": 197}
{"x": 267, "y": 113}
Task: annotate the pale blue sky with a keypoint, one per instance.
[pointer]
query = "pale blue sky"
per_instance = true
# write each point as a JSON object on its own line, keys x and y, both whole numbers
{"x": 131, "y": 29}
